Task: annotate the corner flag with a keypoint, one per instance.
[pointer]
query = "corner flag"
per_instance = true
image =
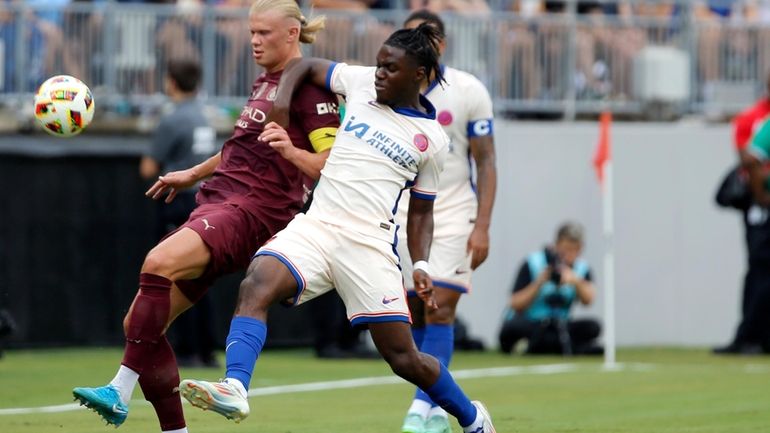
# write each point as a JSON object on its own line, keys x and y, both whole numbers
{"x": 602, "y": 162}
{"x": 603, "y": 151}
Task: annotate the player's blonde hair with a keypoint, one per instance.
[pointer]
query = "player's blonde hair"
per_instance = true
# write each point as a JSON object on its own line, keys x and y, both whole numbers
{"x": 290, "y": 9}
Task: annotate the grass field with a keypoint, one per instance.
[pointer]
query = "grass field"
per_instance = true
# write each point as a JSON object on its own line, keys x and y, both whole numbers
{"x": 654, "y": 390}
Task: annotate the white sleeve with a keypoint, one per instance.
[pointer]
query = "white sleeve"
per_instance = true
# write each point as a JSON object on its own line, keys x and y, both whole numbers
{"x": 427, "y": 181}
{"x": 344, "y": 79}
{"x": 480, "y": 121}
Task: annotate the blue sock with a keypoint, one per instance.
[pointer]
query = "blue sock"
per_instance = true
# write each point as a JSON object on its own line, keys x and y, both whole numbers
{"x": 449, "y": 396}
{"x": 418, "y": 334}
{"x": 439, "y": 341}
{"x": 244, "y": 343}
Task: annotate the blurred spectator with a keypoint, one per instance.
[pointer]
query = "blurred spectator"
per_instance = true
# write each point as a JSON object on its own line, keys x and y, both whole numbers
{"x": 182, "y": 36}
{"x": 548, "y": 283}
{"x": 43, "y": 37}
{"x": 519, "y": 67}
{"x": 183, "y": 139}
{"x": 232, "y": 35}
{"x": 8, "y": 23}
{"x": 459, "y": 6}
{"x": 734, "y": 192}
{"x": 725, "y": 52}
{"x": 353, "y": 36}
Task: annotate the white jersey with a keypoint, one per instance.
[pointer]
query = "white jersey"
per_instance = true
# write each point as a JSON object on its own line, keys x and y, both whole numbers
{"x": 464, "y": 109}
{"x": 378, "y": 152}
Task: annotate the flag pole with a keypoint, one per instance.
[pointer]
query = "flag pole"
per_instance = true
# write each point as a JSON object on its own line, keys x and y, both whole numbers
{"x": 603, "y": 163}
{"x": 609, "y": 266}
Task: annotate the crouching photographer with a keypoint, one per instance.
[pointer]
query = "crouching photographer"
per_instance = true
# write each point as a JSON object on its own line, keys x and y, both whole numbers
{"x": 548, "y": 283}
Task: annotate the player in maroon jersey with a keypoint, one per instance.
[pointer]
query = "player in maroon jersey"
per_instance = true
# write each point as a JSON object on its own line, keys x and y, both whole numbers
{"x": 255, "y": 185}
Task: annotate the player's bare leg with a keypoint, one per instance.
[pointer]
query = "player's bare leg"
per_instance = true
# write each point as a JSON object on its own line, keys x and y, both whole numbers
{"x": 148, "y": 357}
{"x": 267, "y": 282}
{"x": 395, "y": 343}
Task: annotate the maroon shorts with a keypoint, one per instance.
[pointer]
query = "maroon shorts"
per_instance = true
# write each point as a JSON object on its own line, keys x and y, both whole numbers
{"x": 233, "y": 235}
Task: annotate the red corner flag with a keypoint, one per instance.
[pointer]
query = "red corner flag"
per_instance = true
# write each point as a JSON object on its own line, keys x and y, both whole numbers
{"x": 603, "y": 148}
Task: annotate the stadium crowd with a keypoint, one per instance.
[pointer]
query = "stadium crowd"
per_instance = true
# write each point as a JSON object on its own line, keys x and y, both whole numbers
{"x": 522, "y": 49}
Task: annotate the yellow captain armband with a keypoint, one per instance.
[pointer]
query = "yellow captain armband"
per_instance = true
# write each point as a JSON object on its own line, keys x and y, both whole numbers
{"x": 322, "y": 138}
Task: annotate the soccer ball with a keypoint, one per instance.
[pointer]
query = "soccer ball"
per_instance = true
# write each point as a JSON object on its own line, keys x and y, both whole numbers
{"x": 64, "y": 106}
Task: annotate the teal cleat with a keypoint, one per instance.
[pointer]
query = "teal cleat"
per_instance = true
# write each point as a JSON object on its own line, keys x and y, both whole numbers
{"x": 220, "y": 397}
{"x": 437, "y": 424}
{"x": 105, "y": 401}
{"x": 413, "y": 423}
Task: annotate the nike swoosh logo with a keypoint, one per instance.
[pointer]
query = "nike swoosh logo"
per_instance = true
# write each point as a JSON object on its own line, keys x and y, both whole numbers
{"x": 459, "y": 272}
{"x": 388, "y": 301}
{"x": 327, "y": 135}
{"x": 116, "y": 409}
{"x": 228, "y": 346}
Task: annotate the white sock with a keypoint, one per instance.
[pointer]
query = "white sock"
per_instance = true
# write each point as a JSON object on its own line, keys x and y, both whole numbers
{"x": 125, "y": 381}
{"x": 476, "y": 424}
{"x": 420, "y": 407}
{"x": 437, "y": 411}
{"x": 238, "y": 386}
{"x": 180, "y": 430}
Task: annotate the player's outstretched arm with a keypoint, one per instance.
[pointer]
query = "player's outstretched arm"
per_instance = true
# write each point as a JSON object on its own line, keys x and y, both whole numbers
{"x": 419, "y": 234}
{"x": 297, "y": 70}
{"x": 175, "y": 181}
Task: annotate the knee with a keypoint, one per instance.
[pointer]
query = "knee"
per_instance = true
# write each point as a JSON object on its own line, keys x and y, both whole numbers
{"x": 254, "y": 296}
{"x": 404, "y": 364}
{"x": 157, "y": 262}
{"x": 443, "y": 315}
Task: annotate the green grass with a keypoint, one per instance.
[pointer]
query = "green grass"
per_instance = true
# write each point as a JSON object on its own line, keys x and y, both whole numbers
{"x": 658, "y": 391}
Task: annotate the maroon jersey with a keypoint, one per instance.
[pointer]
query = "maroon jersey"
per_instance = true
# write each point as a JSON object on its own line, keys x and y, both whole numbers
{"x": 254, "y": 176}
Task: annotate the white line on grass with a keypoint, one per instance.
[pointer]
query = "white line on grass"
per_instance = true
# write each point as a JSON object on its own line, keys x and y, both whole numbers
{"x": 339, "y": 384}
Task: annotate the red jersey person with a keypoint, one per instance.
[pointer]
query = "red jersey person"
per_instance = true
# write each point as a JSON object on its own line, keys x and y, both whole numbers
{"x": 254, "y": 188}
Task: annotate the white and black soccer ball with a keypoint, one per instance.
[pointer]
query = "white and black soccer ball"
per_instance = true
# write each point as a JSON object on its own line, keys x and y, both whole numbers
{"x": 64, "y": 106}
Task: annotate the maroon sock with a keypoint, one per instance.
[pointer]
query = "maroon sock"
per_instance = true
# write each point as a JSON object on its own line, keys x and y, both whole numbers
{"x": 160, "y": 385}
{"x": 147, "y": 321}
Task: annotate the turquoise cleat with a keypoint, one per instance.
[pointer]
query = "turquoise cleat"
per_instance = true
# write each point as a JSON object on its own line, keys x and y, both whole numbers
{"x": 437, "y": 424}
{"x": 413, "y": 423}
{"x": 105, "y": 401}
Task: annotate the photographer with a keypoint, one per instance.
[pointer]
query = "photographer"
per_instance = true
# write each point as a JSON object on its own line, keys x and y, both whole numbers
{"x": 548, "y": 283}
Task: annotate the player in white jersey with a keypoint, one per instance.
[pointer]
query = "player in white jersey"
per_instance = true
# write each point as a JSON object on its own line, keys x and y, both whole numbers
{"x": 389, "y": 141}
{"x": 462, "y": 213}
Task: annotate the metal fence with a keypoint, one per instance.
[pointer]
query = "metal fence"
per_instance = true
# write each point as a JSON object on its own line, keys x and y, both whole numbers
{"x": 565, "y": 64}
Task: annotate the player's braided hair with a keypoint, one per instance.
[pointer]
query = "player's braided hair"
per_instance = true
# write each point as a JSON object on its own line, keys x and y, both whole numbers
{"x": 422, "y": 44}
{"x": 289, "y": 8}
{"x": 429, "y": 17}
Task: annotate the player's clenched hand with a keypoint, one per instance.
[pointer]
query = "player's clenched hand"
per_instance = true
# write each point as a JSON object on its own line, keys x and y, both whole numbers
{"x": 423, "y": 285}
{"x": 478, "y": 246}
{"x": 278, "y": 139}
{"x": 171, "y": 183}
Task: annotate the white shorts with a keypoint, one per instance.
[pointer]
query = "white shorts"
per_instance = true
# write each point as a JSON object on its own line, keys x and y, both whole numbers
{"x": 450, "y": 262}
{"x": 364, "y": 270}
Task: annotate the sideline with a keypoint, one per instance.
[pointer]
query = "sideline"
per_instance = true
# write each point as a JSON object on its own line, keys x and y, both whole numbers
{"x": 360, "y": 382}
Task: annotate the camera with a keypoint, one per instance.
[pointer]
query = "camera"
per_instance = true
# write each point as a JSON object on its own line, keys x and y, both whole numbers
{"x": 554, "y": 300}
{"x": 554, "y": 261}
